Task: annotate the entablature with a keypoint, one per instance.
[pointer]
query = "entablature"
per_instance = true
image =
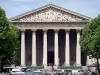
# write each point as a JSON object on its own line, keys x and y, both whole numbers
{"x": 50, "y": 25}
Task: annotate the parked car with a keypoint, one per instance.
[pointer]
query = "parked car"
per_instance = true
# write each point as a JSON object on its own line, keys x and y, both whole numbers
{"x": 77, "y": 72}
{"x": 16, "y": 71}
{"x": 29, "y": 71}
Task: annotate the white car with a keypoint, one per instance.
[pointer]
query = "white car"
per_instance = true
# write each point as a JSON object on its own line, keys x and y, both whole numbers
{"x": 77, "y": 72}
{"x": 17, "y": 71}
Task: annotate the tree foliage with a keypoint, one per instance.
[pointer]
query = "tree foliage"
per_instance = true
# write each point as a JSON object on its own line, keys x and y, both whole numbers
{"x": 9, "y": 36}
{"x": 90, "y": 38}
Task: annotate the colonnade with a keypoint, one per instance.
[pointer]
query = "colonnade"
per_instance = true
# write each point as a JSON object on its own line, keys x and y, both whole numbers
{"x": 56, "y": 48}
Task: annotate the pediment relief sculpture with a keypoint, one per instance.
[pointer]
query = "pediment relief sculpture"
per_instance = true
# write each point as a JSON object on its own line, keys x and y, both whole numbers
{"x": 50, "y": 15}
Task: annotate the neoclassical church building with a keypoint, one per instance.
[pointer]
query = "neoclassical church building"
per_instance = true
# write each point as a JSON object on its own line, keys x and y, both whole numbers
{"x": 50, "y": 35}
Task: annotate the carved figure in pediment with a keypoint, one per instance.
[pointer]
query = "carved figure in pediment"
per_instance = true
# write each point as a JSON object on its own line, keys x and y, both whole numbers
{"x": 50, "y": 15}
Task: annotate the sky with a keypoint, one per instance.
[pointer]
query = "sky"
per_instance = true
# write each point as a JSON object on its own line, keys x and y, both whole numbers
{"x": 90, "y": 8}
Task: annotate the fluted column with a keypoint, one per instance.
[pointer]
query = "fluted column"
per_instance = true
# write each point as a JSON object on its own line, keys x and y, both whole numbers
{"x": 67, "y": 49}
{"x": 45, "y": 47}
{"x": 22, "y": 47}
{"x": 34, "y": 48}
{"x": 78, "y": 50}
{"x": 56, "y": 52}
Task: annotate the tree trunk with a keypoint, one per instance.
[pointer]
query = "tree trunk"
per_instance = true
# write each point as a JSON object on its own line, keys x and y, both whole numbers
{"x": 98, "y": 66}
{"x": 1, "y": 64}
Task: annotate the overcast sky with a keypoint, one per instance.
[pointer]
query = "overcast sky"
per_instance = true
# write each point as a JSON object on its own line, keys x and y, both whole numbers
{"x": 13, "y": 8}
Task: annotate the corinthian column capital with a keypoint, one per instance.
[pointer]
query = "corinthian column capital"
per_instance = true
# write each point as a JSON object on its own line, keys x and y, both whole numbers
{"x": 45, "y": 30}
{"x": 22, "y": 30}
{"x": 78, "y": 30}
{"x": 67, "y": 30}
{"x": 33, "y": 30}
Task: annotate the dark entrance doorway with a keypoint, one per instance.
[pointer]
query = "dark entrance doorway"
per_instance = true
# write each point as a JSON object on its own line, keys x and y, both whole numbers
{"x": 50, "y": 57}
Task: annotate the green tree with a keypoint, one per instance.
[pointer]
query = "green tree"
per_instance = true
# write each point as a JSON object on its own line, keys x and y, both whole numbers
{"x": 9, "y": 40}
{"x": 90, "y": 39}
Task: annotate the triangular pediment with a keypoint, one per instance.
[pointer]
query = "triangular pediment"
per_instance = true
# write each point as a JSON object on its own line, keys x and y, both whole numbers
{"x": 50, "y": 13}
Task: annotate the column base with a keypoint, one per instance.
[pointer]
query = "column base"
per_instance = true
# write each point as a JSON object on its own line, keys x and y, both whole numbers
{"x": 22, "y": 65}
{"x": 44, "y": 62}
{"x": 66, "y": 65}
{"x": 34, "y": 65}
{"x": 45, "y": 65}
{"x": 56, "y": 62}
{"x": 78, "y": 64}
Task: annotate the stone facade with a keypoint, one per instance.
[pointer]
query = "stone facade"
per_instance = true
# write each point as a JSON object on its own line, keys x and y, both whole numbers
{"x": 50, "y": 34}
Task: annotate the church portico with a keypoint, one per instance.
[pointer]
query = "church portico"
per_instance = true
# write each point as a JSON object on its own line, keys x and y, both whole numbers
{"x": 59, "y": 43}
{"x": 50, "y": 35}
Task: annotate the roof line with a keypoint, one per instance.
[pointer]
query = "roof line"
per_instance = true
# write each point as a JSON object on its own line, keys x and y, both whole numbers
{"x": 50, "y": 5}
{"x": 29, "y": 12}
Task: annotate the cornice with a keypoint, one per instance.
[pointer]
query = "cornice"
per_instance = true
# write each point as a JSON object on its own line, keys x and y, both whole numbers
{"x": 85, "y": 21}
